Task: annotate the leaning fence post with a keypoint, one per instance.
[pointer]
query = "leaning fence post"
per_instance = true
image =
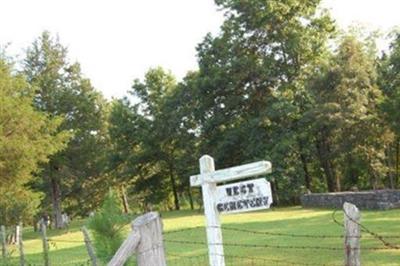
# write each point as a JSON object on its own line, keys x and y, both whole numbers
{"x": 146, "y": 240}
{"x": 45, "y": 245}
{"x": 352, "y": 234}
{"x": 89, "y": 246}
{"x": 3, "y": 241}
{"x": 126, "y": 250}
{"x": 20, "y": 245}
{"x": 150, "y": 250}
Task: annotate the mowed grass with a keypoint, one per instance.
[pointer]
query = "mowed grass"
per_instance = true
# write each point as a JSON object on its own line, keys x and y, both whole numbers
{"x": 246, "y": 237}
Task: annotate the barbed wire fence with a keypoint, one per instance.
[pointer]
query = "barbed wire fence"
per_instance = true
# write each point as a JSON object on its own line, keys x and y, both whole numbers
{"x": 382, "y": 243}
{"x": 186, "y": 238}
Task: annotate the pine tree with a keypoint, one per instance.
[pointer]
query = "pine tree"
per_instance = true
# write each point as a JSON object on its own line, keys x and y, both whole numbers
{"x": 61, "y": 90}
{"x": 107, "y": 227}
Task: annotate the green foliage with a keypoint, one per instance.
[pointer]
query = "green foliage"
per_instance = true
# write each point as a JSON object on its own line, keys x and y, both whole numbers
{"x": 18, "y": 205}
{"x": 269, "y": 86}
{"x": 344, "y": 119}
{"x": 151, "y": 142}
{"x": 250, "y": 93}
{"x": 106, "y": 226}
{"x": 389, "y": 80}
{"x": 27, "y": 136}
{"x": 71, "y": 175}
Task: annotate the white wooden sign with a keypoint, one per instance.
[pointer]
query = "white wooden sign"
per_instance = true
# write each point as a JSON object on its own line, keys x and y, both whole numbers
{"x": 208, "y": 179}
{"x": 244, "y": 196}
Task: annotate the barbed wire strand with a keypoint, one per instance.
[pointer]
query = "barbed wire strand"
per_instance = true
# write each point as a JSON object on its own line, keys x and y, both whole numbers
{"x": 377, "y": 236}
{"x": 368, "y": 231}
{"x": 228, "y": 228}
{"x": 271, "y": 246}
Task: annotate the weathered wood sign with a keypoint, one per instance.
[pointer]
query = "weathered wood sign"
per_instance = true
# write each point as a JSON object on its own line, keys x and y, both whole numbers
{"x": 208, "y": 179}
{"x": 244, "y": 196}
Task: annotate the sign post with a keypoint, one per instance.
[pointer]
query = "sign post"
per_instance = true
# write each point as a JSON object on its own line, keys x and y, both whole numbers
{"x": 214, "y": 234}
{"x": 243, "y": 196}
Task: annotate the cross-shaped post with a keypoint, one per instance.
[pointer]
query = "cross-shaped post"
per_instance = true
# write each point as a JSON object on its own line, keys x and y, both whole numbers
{"x": 208, "y": 179}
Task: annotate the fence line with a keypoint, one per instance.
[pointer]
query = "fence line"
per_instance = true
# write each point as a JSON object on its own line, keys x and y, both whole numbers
{"x": 89, "y": 246}
{"x": 3, "y": 237}
{"x": 351, "y": 238}
{"x": 151, "y": 248}
{"x": 228, "y": 228}
{"x": 368, "y": 231}
{"x": 271, "y": 246}
{"x": 20, "y": 245}
{"x": 45, "y": 245}
{"x": 375, "y": 235}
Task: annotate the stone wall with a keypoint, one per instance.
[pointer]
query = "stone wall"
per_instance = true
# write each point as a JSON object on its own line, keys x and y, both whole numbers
{"x": 374, "y": 199}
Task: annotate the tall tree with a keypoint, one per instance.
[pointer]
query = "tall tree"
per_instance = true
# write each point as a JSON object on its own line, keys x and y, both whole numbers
{"x": 151, "y": 138}
{"x": 27, "y": 138}
{"x": 389, "y": 81}
{"x": 61, "y": 90}
{"x": 251, "y": 92}
{"x": 345, "y": 119}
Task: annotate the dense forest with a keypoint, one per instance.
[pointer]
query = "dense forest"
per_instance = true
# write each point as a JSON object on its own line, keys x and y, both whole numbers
{"x": 280, "y": 82}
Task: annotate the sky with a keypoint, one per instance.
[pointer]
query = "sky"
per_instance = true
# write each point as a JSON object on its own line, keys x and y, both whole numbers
{"x": 117, "y": 41}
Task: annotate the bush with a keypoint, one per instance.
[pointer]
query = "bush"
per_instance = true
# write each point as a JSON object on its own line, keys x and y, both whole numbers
{"x": 106, "y": 227}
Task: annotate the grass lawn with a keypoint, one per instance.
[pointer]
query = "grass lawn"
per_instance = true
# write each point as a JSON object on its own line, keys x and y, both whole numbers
{"x": 67, "y": 248}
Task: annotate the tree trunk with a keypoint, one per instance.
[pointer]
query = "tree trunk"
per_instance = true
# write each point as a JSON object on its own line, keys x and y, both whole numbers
{"x": 190, "y": 197}
{"x": 351, "y": 174}
{"x": 303, "y": 158}
{"x": 338, "y": 185}
{"x": 124, "y": 199}
{"x": 397, "y": 162}
{"x": 174, "y": 189}
{"x": 323, "y": 153}
{"x": 389, "y": 165}
{"x": 274, "y": 188}
{"x": 334, "y": 177}
{"x": 56, "y": 201}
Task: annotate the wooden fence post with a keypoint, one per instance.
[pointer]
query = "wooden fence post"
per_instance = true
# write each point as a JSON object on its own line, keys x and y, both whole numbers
{"x": 16, "y": 236}
{"x": 127, "y": 249}
{"x": 352, "y": 234}
{"x": 20, "y": 245}
{"x": 150, "y": 250}
{"x": 89, "y": 246}
{"x": 45, "y": 245}
{"x": 146, "y": 240}
{"x": 3, "y": 241}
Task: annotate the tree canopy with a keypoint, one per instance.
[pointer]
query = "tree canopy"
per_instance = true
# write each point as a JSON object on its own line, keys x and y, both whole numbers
{"x": 62, "y": 91}
{"x": 279, "y": 82}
